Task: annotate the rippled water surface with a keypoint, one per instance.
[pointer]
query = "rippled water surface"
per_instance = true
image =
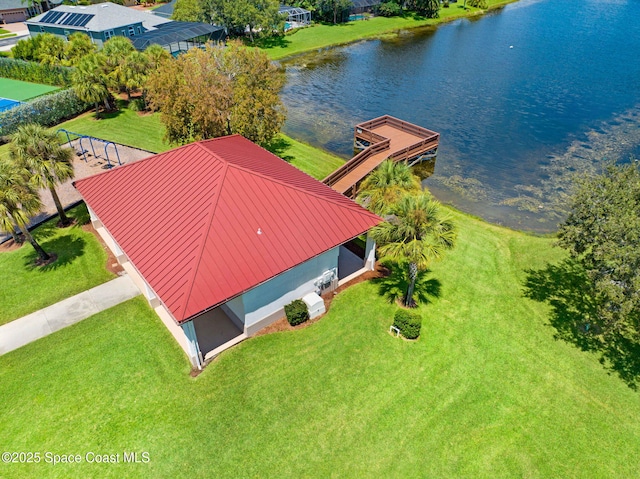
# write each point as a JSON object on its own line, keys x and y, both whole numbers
{"x": 524, "y": 98}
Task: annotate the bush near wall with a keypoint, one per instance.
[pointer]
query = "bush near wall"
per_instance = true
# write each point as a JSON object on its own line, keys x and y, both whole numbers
{"x": 408, "y": 322}
{"x": 46, "y": 110}
{"x": 35, "y": 72}
{"x": 296, "y": 312}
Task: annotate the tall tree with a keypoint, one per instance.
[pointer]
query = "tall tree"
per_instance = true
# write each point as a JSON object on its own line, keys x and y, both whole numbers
{"x": 78, "y": 46}
{"x": 156, "y": 55}
{"x": 89, "y": 80}
{"x": 428, "y": 8}
{"x": 334, "y": 10}
{"x": 602, "y": 232}
{"x": 256, "y": 111}
{"x": 386, "y": 185}
{"x": 37, "y": 150}
{"x": 19, "y": 201}
{"x": 246, "y": 15}
{"x": 218, "y": 91}
{"x": 416, "y": 233}
{"x": 135, "y": 68}
{"x": 189, "y": 11}
{"x": 192, "y": 95}
{"x": 50, "y": 49}
{"x": 115, "y": 51}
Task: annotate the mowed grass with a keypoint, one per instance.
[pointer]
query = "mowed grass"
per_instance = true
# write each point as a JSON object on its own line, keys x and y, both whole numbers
{"x": 145, "y": 131}
{"x": 486, "y": 392}
{"x": 80, "y": 265}
{"x": 325, "y": 35}
{"x": 21, "y": 90}
{"x": 124, "y": 126}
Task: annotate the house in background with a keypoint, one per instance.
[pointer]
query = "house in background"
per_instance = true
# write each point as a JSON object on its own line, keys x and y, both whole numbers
{"x": 13, "y": 11}
{"x": 220, "y": 235}
{"x": 105, "y": 20}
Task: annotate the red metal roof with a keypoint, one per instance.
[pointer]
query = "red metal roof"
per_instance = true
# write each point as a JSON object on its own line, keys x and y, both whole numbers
{"x": 208, "y": 221}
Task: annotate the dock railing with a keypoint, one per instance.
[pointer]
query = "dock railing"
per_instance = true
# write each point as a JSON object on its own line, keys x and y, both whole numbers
{"x": 378, "y": 143}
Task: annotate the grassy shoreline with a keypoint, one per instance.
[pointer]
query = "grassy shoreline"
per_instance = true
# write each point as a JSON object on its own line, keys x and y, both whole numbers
{"x": 321, "y": 36}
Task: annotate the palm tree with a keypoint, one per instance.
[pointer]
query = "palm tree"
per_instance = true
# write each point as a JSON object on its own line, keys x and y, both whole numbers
{"x": 416, "y": 232}
{"x": 115, "y": 51}
{"x": 135, "y": 68}
{"x": 386, "y": 184}
{"x": 89, "y": 80}
{"x": 19, "y": 201}
{"x": 37, "y": 150}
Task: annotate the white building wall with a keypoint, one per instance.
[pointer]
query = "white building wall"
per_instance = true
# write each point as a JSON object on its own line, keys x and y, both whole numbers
{"x": 165, "y": 316}
{"x": 265, "y": 303}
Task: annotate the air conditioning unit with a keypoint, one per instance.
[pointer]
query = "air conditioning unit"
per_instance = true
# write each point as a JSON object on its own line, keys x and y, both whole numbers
{"x": 315, "y": 305}
{"x": 327, "y": 282}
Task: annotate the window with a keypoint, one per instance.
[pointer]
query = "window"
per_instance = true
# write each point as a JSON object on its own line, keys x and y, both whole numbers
{"x": 108, "y": 34}
{"x": 132, "y": 32}
{"x": 139, "y": 30}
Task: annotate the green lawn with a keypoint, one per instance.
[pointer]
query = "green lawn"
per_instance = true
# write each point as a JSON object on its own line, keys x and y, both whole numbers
{"x": 129, "y": 128}
{"x": 123, "y": 126}
{"x": 485, "y": 392}
{"x": 80, "y": 266}
{"x": 325, "y": 35}
{"x": 22, "y": 91}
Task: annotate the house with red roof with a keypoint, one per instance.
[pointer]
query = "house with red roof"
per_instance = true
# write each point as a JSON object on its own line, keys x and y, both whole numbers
{"x": 220, "y": 235}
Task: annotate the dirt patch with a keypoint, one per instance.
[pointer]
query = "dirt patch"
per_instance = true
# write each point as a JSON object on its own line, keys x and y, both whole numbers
{"x": 40, "y": 262}
{"x": 9, "y": 245}
{"x": 283, "y": 325}
{"x": 112, "y": 263}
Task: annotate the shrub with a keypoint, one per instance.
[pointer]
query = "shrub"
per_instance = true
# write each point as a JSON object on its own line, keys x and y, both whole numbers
{"x": 35, "y": 72}
{"x": 46, "y": 110}
{"x": 296, "y": 312}
{"x": 389, "y": 9}
{"x": 408, "y": 322}
{"x": 137, "y": 104}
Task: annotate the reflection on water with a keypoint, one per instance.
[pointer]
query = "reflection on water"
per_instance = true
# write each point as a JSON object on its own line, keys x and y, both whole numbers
{"x": 522, "y": 98}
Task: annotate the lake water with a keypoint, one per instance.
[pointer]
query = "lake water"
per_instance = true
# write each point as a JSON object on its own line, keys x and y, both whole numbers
{"x": 524, "y": 98}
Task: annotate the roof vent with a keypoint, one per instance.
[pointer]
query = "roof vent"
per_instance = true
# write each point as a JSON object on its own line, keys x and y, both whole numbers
{"x": 259, "y": 231}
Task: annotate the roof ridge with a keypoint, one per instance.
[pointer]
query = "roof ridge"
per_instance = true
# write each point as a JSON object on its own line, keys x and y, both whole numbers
{"x": 336, "y": 201}
{"x": 212, "y": 214}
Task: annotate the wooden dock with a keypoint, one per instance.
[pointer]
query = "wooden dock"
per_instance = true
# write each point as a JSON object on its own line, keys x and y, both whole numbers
{"x": 382, "y": 138}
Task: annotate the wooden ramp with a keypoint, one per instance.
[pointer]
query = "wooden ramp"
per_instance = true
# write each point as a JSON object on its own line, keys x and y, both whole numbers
{"x": 382, "y": 138}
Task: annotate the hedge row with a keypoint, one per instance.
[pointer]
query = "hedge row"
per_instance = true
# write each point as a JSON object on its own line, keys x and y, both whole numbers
{"x": 46, "y": 110}
{"x": 35, "y": 72}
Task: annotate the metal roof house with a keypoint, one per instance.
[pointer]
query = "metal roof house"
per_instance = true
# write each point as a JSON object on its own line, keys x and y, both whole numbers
{"x": 105, "y": 20}
{"x": 220, "y": 234}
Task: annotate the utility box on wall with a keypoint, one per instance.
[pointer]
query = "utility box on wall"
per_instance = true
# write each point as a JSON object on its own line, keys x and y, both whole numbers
{"x": 315, "y": 305}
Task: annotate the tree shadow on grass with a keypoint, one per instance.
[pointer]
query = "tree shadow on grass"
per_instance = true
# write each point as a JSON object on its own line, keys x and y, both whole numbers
{"x": 394, "y": 286}
{"x": 276, "y": 41}
{"x": 66, "y": 248}
{"x": 279, "y": 147}
{"x": 567, "y": 289}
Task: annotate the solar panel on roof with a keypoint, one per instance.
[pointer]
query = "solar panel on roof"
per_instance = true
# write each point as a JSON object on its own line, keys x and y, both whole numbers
{"x": 69, "y": 20}
{"x": 84, "y": 20}
{"x": 63, "y": 18}
{"x": 51, "y": 17}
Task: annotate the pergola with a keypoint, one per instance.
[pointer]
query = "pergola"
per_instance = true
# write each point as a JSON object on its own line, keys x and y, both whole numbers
{"x": 295, "y": 15}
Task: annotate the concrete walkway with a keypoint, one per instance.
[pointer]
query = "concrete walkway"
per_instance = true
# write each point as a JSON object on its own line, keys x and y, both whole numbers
{"x": 65, "y": 313}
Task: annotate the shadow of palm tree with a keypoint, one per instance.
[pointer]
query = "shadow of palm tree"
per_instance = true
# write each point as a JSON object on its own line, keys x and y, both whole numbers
{"x": 394, "y": 286}
{"x": 574, "y": 316}
{"x": 66, "y": 248}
